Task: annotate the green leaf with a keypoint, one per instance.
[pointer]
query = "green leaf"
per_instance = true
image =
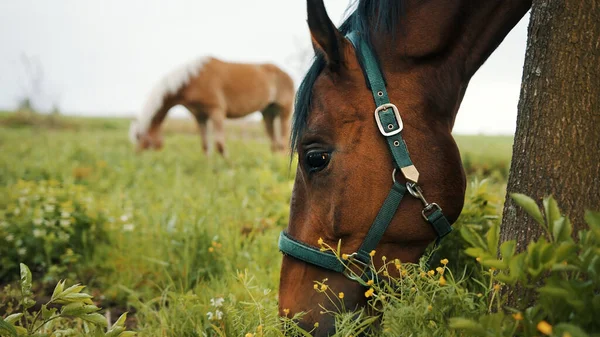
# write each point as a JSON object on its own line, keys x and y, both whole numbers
{"x": 529, "y": 206}
{"x": 121, "y": 320}
{"x": 552, "y": 211}
{"x": 95, "y": 319}
{"x": 564, "y": 251}
{"x": 60, "y": 286}
{"x": 494, "y": 263}
{"x": 127, "y": 334}
{"x": 492, "y": 240}
{"x": 476, "y": 252}
{"x": 574, "y": 330}
{"x": 12, "y": 319}
{"x": 473, "y": 328}
{"x": 47, "y": 313}
{"x": 8, "y": 328}
{"x": 561, "y": 230}
{"x": 507, "y": 249}
{"x": 72, "y": 309}
{"x": 25, "y": 280}
{"x": 555, "y": 292}
{"x": 593, "y": 219}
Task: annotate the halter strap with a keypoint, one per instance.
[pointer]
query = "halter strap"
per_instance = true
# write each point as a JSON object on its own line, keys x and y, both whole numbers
{"x": 390, "y": 126}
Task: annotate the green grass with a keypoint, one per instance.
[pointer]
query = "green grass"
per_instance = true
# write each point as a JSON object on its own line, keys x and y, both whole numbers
{"x": 185, "y": 228}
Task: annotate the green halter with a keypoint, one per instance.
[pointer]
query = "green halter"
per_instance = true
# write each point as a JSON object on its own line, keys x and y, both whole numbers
{"x": 390, "y": 125}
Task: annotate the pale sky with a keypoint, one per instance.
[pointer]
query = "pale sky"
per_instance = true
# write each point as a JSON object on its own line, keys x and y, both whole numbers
{"x": 102, "y": 57}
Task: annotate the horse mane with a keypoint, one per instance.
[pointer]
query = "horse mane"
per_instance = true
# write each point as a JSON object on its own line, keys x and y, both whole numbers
{"x": 372, "y": 17}
{"x": 170, "y": 84}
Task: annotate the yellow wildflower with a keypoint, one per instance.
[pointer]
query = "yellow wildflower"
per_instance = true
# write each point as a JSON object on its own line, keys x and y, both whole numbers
{"x": 316, "y": 286}
{"x": 369, "y": 292}
{"x": 341, "y": 295}
{"x": 442, "y": 281}
{"x": 259, "y": 328}
{"x": 370, "y": 282}
{"x": 566, "y": 334}
{"x": 320, "y": 241}
{"x": 286, "y": 311}
{"x": 383, "y": 258}
{"x": 496, "y": 287}
{"x": 323, "y": 287}
{"x": 518, "y": 316}
{"x": 211, "y": 249}
{"x": 429, "y": 308}
{"x": 431, "y": 272}
{"x": 422, "y": 274}
{"x": 372, "y": 253}
{"x": 344, "y": 256}
{"x": 413, "y": 289}
{"x": 385, "y": 273}
{"x": 249, "y": 334}
{"x": 478, "y": 259}
{"x": 444, "y": 261}
{"x": 545, "y": 328}
{"x": 479, "y": 294}
{"x": 316, "y": 324}
{"x": 440, "y": 270}
{"x": 404, "y": 272}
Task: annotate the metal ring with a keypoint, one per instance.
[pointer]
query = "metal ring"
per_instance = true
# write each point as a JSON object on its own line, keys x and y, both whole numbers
{"x": 394, "y": 175}
{"x": 409, "y": 187}
{"x": 396, "y": 143}
{"x": 390, "y": 126}
{"x": 380, "y": 93}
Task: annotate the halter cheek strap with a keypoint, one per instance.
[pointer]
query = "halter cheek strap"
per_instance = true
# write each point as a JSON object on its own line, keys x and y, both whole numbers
{"x": 390, "y": 126}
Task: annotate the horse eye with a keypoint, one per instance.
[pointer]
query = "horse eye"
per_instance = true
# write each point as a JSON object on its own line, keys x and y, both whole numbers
{"x": 317, "y": 160}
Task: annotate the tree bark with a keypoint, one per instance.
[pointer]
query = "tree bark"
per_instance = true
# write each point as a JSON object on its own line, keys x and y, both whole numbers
{"x": 556, "y": 148}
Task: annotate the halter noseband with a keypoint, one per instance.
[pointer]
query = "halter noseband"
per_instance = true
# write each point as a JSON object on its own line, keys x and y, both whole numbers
{"x": 390, "y": 126}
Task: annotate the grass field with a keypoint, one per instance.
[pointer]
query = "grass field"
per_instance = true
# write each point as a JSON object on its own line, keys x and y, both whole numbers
{"x": 178, "y": 228}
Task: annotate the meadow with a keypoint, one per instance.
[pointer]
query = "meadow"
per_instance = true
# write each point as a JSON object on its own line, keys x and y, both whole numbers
{"x": 187, "y": 244}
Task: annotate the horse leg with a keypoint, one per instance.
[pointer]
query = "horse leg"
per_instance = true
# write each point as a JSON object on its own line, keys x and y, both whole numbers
{"x": 285, "y": 123}
{"x": 203, "y": 126}
{"x": 269, "y": 121}
{"x": 218, "y": 120}
{"x": 269, "y": 115}
{"x": 202, "y": 121}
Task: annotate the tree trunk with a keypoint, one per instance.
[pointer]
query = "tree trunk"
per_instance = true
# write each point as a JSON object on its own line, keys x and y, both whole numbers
{"x": 556, "y": 148}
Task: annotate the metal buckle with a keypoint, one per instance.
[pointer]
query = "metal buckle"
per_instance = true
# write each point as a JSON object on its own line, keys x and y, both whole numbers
{"x": 350, "y": 274}
{"x": 428, "y": 209}
{"x": 398, "y": 119}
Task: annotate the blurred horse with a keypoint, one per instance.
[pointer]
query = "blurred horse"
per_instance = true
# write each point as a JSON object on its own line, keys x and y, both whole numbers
{"x": 213, "y": 90}
{"x": 388, "y": 83}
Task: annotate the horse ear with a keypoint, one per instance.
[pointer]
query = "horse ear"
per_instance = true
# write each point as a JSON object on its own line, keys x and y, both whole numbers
{"x": 326, "y": 38}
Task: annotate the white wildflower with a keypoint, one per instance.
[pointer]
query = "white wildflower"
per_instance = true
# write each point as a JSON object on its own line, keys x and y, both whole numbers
{"x": 128, "y": 227}
{"x": 22, "y": 251}
{"x": 49, "y": 208}
{"x": 65, "y": 214}
{"x": 38, "y": 221}
{"x": 65, "y": 222}
{"x": 217, "y": 302}
{"x": 10, "y": 237}
{"x": 124, "y": 217}
{"x": 39, "y": 233}
{"x": 219, "y": 314}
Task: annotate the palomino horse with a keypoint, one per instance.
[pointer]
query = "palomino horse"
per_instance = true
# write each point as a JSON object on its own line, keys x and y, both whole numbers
{"x": 214, "y": 90}
{"x": 388, "y": 82}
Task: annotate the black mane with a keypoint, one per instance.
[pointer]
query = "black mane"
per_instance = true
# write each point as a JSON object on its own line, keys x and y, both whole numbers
{"x": 374, "y": 16}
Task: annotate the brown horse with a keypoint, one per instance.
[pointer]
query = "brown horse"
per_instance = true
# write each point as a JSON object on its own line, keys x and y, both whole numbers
{"x": 213, "y": 90}
{"x": 426, "y": 51}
